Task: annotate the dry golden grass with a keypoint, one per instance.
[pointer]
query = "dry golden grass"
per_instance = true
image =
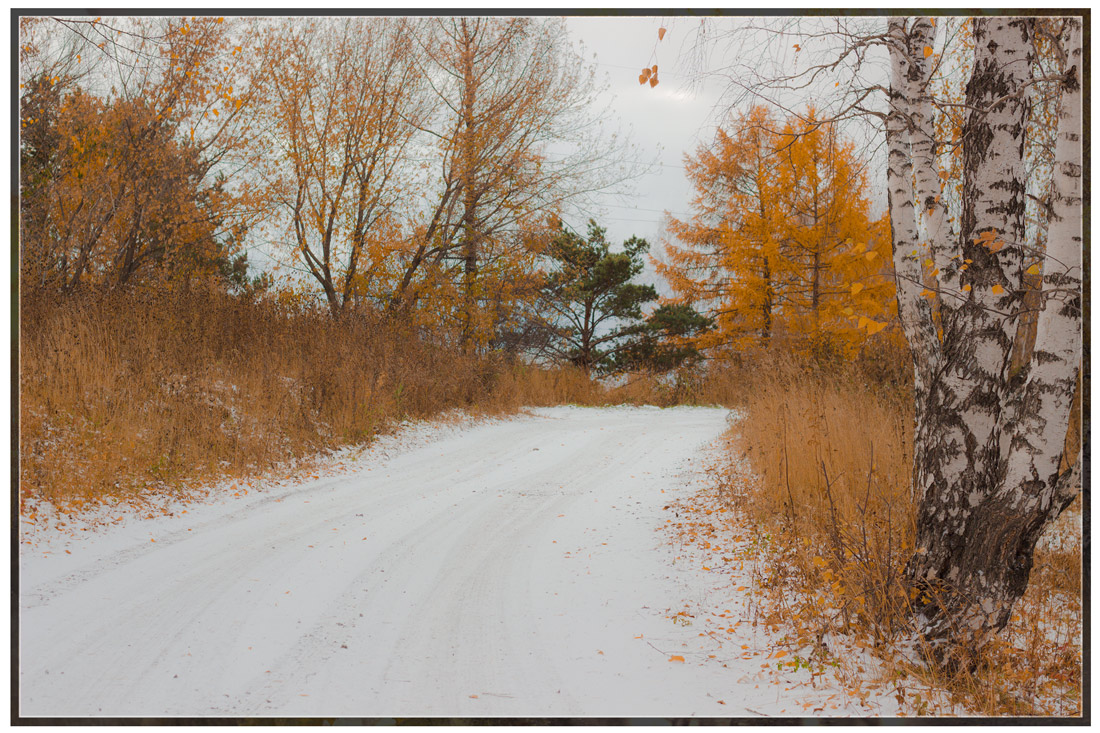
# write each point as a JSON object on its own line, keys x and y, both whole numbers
{"x": 830, "y": 453}
{"x": 132, "y": 393}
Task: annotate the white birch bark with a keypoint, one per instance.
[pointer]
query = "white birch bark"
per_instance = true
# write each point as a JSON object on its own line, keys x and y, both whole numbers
{"x": 915, "y": 311}
{"x": 942, "y": 274}
{"x": 1036, "y": 439}
{"x": 988, "y": 445}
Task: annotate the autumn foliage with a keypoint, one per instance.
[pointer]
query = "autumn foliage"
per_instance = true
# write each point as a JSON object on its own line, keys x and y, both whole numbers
{"x": 783, "y": 245}
{"x": 396, "y": 177}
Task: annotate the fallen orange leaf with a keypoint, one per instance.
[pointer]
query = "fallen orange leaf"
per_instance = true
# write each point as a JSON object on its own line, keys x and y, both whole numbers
{"x": 675, "y": 658}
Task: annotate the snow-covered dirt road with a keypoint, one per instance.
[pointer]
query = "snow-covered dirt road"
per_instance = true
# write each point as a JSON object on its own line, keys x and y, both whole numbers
{"x": 508, "y": 568}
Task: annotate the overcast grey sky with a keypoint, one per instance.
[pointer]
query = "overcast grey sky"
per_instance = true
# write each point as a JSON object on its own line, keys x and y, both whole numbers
{"x": 665, "y": 121}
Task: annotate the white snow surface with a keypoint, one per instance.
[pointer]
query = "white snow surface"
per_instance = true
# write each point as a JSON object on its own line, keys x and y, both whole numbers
{"x": 510, "y": 567}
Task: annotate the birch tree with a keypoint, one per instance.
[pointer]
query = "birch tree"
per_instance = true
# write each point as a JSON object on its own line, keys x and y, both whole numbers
{"x": 995, "y": 461}
{"x": 989, "y": 441}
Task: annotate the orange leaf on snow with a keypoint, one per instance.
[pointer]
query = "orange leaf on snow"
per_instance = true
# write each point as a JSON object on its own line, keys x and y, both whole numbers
{"x": 675, "y": 658}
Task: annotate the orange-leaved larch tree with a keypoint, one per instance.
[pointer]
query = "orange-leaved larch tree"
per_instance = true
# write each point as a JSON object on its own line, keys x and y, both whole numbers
{"x": 726, "y": 258}
{"x": 783, "y": 242}
{"x": 839, "y": 283}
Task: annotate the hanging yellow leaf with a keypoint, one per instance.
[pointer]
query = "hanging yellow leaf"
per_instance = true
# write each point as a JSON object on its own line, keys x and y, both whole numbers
{"x": 1034, "y": 269}
{"x": 871, "y": 255}
{"x": 997, "y": 289}
{"x": 874, "y": 327}
{"x": 927, "y": 51}
{"x": 966, "y": 288}
{"x": 926, "y": 293}
{"x": 653, "y": 81}
{"x": 856, "y": 287}
{"x": 654, "y": 68}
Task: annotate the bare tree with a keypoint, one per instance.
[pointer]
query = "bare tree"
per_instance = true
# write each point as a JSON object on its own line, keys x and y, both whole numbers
{"x": 346, "y": 100}
{"x": 517, "y": 139}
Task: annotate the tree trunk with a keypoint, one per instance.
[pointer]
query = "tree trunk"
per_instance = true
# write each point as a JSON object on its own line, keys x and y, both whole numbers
{"x": 989, "y": 438}
{"x": 469, "y": 194}
{"x": 768, "y": 304}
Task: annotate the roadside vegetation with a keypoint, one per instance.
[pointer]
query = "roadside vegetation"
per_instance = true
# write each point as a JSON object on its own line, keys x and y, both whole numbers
{"x": 819, "y": 466}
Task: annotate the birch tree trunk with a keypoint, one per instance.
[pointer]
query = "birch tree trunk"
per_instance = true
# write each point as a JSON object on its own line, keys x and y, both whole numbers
{"x": 990, "y": 433}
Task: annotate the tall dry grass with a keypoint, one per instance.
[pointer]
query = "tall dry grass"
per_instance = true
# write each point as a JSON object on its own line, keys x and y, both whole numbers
{"x": 829, "y": 445}
{"x": 134, "y": 392}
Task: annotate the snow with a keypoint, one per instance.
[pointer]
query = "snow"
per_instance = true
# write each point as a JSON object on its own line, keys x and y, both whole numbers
{"x": 518, "y": 567}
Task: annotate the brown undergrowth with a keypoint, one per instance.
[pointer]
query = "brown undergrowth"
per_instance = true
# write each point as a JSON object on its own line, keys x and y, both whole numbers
{"x": 132, "y": 393}
{"x": 820, "y": 467}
